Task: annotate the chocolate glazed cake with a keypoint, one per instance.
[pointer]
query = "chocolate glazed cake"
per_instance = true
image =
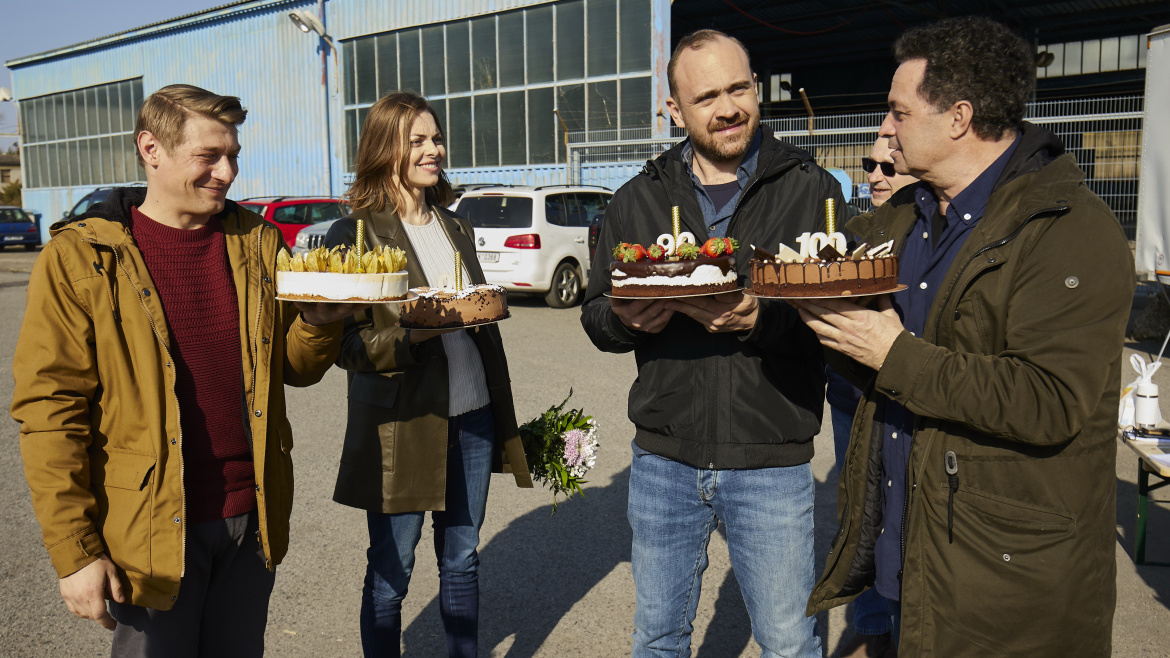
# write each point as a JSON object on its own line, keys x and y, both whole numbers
{"x": 825, "y": 278}
{"x": 646, "y": 278}
{"x": 438, "y": 308}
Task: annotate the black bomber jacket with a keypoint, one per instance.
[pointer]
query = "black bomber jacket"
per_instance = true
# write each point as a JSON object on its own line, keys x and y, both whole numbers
{"x": 736, "y": 400}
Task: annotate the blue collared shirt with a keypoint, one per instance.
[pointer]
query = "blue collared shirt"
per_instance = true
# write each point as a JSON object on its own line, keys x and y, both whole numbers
{"x": 716, "y": 219}
{"x": 923, "y": 265}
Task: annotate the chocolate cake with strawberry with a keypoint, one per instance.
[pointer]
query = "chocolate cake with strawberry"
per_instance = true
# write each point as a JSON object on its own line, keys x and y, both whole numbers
{"x": 666, "y": 270}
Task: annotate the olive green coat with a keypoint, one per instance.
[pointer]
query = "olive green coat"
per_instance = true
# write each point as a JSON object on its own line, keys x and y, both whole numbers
{"x": 394, "y": 458}
{"x": 1018, "y": 374}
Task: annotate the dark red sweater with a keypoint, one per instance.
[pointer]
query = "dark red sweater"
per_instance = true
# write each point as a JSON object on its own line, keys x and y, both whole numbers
{"x": 194, "y": 281}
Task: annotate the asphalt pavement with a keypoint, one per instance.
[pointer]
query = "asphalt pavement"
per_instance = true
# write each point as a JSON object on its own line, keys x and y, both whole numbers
{"x": 551, "y": 586}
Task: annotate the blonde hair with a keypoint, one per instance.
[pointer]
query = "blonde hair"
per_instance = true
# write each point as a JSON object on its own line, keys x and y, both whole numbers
{"x": 384, "y": 149}
{"x": 164, "y": 113}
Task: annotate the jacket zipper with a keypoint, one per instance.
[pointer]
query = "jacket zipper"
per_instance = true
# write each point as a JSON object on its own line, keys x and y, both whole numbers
{"x": 937, "y": 327}
{"x": 259, "y": 311}
{"x": 261, "y": 514}
{"x": 178, "y": 412}
{"x": 951, "y": 463}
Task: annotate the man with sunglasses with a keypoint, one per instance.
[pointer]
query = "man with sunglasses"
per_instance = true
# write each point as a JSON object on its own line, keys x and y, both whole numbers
{"x": 883, "y": 179}
{"x": 871, "y": 611}
{"x": 979, "y": 489}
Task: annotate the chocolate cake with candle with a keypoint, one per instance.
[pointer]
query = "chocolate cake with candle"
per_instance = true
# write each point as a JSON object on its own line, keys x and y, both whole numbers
{"x": 674, "y": 266}
{"x": 821, "y": 268}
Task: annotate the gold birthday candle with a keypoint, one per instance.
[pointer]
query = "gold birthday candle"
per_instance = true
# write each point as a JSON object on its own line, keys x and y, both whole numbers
{"x": 359, "y": 243}
{"x": 830, "y": 216}
{"x": 674, "y": 226}
{"x": 458, "y": 271}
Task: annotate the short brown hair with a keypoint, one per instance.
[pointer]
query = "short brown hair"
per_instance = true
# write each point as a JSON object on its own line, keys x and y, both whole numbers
{"x": 164, "y": 113}
{"x": 977, "y": 60}
{"x": 384, "y": 149}
{"x": 694, "y": 41}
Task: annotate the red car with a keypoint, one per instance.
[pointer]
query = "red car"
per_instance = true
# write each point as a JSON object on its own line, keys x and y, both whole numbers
{"x": 293, "y": 213}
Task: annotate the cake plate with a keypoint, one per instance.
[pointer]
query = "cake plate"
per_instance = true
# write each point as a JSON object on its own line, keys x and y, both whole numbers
{"x": 696, "y": 294}
{"x": 899, "y": 288}
{"x": 410, "y": 297}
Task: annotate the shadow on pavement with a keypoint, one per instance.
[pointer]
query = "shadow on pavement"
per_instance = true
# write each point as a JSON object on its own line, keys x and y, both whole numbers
{"x": 535, "y": 570}
{"x": 1157, "y": 533}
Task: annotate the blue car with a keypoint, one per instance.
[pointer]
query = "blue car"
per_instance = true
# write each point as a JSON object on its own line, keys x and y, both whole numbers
{"x": 17, "y": 226}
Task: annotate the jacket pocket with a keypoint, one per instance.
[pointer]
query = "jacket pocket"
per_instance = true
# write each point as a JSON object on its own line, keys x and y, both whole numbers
{"x": 1008, "y": 558}
{"x": 121, "y": 488}
{"x": 374, "y": 390}
{"x": 373, "y": 417}
{"x": 663, "y": 400}
{"x": 972, "y": 332}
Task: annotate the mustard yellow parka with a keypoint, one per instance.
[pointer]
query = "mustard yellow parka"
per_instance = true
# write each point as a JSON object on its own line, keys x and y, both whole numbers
{"x": 100, "y": 433}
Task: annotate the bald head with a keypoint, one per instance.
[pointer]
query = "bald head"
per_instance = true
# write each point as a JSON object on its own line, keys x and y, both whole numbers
{"x": 695, "y": 41}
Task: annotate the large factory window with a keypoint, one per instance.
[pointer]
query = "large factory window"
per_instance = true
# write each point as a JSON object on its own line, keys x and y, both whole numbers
{"x": 495, "y": 80}
{"x": 81, "y": 137}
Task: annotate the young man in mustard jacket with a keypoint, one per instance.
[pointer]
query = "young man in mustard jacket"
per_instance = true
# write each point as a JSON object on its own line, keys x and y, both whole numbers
{"x": 150, "y": 376}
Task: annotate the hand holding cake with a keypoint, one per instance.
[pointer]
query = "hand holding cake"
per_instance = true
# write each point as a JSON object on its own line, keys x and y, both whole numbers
{"x": 728, "y": 312}
{"x": 864, "y": 334}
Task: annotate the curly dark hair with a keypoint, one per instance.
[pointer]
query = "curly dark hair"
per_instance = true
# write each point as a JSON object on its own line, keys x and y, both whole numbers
{"x": 977, "y": 60}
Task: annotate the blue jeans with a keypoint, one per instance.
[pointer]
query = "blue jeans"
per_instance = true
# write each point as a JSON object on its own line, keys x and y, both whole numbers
{"x": 393, "y": 537}
{"x": 768, "y": 513}
{"x": 871, "y": 611}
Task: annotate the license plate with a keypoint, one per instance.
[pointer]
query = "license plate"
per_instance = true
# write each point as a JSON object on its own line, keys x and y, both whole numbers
{"x": 14, "y": 238}
{"x": 489, "y": 256}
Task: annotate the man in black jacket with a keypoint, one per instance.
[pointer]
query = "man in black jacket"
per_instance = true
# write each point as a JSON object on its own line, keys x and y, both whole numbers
{"x": 730, "y": 389}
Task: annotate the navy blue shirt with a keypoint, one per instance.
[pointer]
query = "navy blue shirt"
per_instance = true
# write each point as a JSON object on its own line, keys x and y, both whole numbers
{"x": 922, "y": 267}
{"x": 716, "y": 218}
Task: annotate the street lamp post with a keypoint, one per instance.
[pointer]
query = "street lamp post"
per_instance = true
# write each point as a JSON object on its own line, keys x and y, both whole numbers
{"x": 306, "y": 22}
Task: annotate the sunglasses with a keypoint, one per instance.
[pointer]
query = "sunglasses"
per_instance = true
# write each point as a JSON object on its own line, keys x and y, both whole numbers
{"x": 869, "y": 164}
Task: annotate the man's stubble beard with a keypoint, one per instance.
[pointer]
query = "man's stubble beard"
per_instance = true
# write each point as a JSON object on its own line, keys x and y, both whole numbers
{"x": 713, "y": 150}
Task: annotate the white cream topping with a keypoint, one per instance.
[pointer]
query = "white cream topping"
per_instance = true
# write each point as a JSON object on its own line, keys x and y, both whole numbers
{"x": 702, "y": 275}
{"x": 331, "y": 285}
{"x": 458, "y": 294}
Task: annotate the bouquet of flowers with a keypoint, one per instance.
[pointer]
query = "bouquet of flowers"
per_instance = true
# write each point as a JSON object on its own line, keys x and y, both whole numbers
{"x": 561, "y": 447}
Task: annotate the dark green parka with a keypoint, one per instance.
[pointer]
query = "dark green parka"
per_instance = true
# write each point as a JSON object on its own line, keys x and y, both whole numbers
{"x": 1018, "y": 375}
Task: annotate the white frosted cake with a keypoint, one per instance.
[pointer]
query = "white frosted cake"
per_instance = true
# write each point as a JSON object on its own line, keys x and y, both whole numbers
{"x": 336, "y": 287}
{"x": 340, "y": 275}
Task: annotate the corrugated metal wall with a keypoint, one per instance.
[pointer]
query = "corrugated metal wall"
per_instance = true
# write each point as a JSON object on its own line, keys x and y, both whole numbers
{"x": 605, "y": 175}
{"x": 258, "y": 55}
{"x": 252, "y": 50}
{"x": 355, "y": 18}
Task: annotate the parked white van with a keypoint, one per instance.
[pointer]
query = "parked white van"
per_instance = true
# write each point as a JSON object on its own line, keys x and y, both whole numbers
{"x": 535, "y": 239}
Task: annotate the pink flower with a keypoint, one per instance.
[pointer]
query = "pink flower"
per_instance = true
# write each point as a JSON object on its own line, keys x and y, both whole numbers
{"x": 575, "y": 448}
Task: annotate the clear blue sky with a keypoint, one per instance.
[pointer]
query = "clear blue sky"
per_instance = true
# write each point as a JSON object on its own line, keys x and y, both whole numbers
{"x": 34, "y": 26}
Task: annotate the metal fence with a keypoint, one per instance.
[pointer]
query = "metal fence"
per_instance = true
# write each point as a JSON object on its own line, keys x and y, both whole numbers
{"x": 1103, "y": 134}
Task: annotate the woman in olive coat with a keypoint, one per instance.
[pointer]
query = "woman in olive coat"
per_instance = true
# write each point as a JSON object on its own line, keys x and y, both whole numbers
{"x": 430, "y": 412}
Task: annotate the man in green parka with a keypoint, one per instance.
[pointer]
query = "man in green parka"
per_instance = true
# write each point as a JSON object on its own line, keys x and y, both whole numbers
{"x": 978, "y": 488}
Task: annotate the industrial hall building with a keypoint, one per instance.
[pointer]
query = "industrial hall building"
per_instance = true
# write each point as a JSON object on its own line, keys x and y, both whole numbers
{"x": 539, "y": 92}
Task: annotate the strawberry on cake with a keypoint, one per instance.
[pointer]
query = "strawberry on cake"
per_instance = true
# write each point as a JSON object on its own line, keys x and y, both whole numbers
{"x": 664, "y": 269}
